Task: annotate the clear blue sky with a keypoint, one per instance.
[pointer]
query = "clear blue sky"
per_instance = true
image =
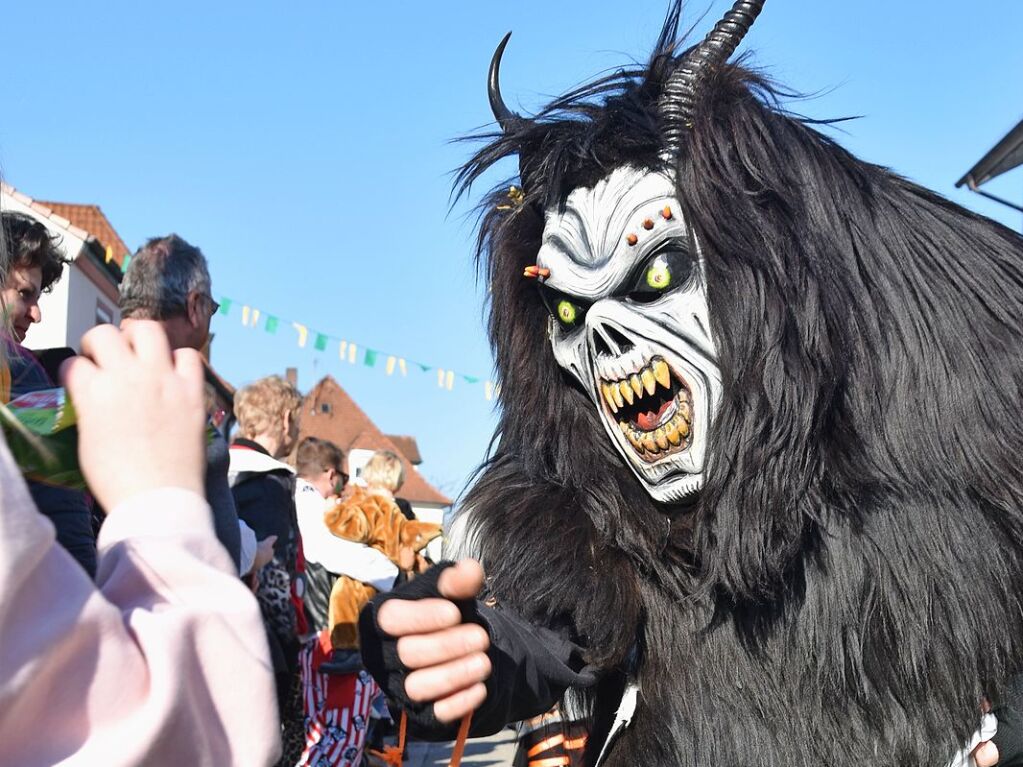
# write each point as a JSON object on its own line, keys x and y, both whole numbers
{"x": 304, "y": 147}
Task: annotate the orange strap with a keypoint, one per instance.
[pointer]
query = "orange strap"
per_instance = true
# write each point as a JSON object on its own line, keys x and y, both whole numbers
{"x": 394, "y": 755}
{"x": 552, "y": 761}
{"x": 575, "y": 745}
{"x": 463, "y": 734}
{"x": 543, "y": 745}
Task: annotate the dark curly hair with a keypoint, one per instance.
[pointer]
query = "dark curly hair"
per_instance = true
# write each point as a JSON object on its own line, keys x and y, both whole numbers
{"x": 31, "y": 245}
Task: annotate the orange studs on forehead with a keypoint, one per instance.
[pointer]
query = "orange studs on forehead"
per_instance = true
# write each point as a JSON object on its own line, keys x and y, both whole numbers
{"x": 666, "y": 213}
{"x": 631, "y": 239}
{"x": 648, "y": 224}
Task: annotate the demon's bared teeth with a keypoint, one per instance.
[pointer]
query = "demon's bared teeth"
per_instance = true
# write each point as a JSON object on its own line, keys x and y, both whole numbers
{"x": 646, "y": 375}
{"x": 637, "y": 385}
{"x": 605, "y": 389}
{"x": 627, "y": 391}
{"x": 672, "y": 433}
{"x": 662, "y": 439}
{"x": 662, "y": 373}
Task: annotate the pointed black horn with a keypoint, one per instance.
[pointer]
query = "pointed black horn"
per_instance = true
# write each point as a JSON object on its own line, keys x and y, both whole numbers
{"x": 678, "y": 96}
{"x": 505, "y": 117}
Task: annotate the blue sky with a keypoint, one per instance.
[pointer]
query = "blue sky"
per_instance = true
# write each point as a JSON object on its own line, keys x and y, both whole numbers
{"x": 305, "y": 147}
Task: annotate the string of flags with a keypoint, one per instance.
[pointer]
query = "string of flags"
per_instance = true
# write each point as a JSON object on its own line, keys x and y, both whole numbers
{"x": 351, "y": 352}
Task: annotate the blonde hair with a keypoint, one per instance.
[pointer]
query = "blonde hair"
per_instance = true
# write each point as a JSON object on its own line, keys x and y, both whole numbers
{"x": 384, "y": 469}
{"x": 260, "y": 406}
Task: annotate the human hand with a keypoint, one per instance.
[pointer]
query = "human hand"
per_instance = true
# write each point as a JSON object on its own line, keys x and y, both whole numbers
{"x": 406, "y": 558}
{"x": 264, "y": 553}
{"x": 448, "y": 658}
{"x": 140, "y": 410}
{"x": 986, "y": 754}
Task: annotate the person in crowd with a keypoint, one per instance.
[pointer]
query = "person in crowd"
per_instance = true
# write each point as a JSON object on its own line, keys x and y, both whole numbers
{"x": 168, "y": 281}
{"x": 162, "y": 661}
{"x": 336, "y": 692}
{"x": 370, "y": 516}
{"x": 263, "y": 487}
{"x": 36, "y": 264}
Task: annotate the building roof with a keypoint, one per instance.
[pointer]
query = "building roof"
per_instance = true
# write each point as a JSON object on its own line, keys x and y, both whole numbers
{"x": 46, "y": 212}
{"x": 92, "y": 220}
{"x": 330, "y": 413}
{"x": 407, "y": 446}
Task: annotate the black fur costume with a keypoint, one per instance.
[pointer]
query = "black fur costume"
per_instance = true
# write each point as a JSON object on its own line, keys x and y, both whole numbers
{"x": 845, "y": 589}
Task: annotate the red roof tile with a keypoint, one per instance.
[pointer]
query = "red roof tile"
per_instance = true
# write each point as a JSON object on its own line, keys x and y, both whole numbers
{"x": 91, "y": 219}
{"x": 330, "y": 413}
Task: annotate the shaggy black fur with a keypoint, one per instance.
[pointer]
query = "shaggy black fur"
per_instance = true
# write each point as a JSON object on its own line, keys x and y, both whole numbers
{"x": 846, "y": 588}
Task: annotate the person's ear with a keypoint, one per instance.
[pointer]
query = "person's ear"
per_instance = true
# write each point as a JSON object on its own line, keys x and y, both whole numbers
{"x": 194, "y": 308}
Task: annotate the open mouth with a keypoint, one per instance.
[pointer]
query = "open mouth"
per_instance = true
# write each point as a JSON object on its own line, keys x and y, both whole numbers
{"x": 653, "y": 408}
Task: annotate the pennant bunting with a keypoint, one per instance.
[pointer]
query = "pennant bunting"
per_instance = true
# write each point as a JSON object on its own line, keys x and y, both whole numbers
{"x": 109, "y": 256}
{"x": 349, "y": 351}
{"x": 124, "y": 264}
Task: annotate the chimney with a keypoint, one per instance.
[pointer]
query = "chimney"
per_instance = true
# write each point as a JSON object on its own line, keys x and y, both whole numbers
{"x": 291, "y": 376}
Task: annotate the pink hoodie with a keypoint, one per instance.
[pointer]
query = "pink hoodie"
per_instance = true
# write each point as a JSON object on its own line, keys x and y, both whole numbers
{"x": 162, "y": 662}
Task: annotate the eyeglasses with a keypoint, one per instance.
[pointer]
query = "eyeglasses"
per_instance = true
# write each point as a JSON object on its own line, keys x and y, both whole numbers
{"x": 214, "y": 305}
{"x": 340, "y": 482}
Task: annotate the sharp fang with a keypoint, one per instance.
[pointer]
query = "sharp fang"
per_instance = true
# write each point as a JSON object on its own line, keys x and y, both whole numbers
{"x": 662, "y": 440}
{"x": 683, "y": 428}
{"x": 616, "y": 394}
{"x": 606, "y": 391}
{"x": 626, "y": 391}
{"x": 637, "y": 385}
{"x": 647, "y": 376}
{"x": 662, "y": 373}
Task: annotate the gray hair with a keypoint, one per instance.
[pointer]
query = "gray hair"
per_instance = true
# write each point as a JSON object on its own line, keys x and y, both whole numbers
{"x": 159, "y": 278}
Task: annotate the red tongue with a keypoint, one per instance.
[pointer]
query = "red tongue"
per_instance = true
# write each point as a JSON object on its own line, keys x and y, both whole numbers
{"x": 648, "y": 421}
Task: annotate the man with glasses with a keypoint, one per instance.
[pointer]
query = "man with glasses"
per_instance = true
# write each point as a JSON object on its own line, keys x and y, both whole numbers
{"x": 168, "y": 281}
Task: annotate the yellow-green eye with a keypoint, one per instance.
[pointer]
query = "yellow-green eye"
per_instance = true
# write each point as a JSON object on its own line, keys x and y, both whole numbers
{"x": 567, "y": 312}
{"x": 658, "y": 275}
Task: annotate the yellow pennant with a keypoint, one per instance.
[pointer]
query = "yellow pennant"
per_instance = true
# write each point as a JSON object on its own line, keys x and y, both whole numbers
{"x": 440, "y": 377}
{"x": 488, "y": 390}
{"x": 255, "y": 317}
{"x": 246, "y": 311}
{"x": 449, "y": 381}
{"x": 402, "y": 366}
{"x": 342, "y": 347}
{"x": 353, "y": 352}
{"x": 109, "y": 255}
{"x": 303, "y": 333}
{"x": 391, "y": 361}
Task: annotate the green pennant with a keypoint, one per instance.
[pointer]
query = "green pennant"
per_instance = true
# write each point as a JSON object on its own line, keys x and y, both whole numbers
{"x": 225, "y": 306}
{"x": 125, "y": 262}
{"x": 424, "y": 368}
{"x": 471, "y": 379}
{"x": 321, "y": 342}
{"x": 271, "y": 324}
{"x": 370, "y": 359}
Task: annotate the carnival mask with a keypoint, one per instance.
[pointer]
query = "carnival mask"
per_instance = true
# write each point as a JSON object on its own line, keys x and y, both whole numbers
{"x": 629, "y": 321}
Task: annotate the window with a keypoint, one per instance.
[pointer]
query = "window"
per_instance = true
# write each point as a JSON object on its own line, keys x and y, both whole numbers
{"x": 325, "y": 407}
{"x": 104, "y": 313}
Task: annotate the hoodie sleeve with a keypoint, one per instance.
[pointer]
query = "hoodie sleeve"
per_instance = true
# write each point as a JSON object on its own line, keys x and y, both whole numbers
{"x": 162, "y": 661}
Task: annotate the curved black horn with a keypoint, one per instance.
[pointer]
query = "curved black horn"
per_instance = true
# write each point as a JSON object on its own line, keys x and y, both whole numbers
{"x": 678, "y": 96}
{"x": 505, "y": 117}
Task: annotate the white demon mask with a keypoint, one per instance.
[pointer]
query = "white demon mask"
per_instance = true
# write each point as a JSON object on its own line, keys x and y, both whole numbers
{"x": 628, "y": 302}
